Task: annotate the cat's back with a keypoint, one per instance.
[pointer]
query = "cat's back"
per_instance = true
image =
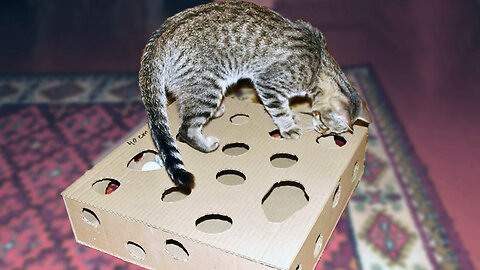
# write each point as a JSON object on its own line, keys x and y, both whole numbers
{"x": 224, "y": 15}
{"x": 231, "y": 40}
{"x": 225, "y": 25}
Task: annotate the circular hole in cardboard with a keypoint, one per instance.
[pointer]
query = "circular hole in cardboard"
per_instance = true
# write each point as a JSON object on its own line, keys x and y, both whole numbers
{"x": 283, "y": 160}
{"x": 355, "y": 171}
{"x": 106, "y": 186}
{"x": 339, "y": 140}
{"x": 177, "y": 250}
{"x": 90, "y": 217}
{"x": 214, "y": 223}
{"x": 283, "y": 200}
{"x": 331, "y": 141}
{"x": 145, "y": 161}
{"x": 175, "y": 194}
{"x": 136, "y": 251}
{"x": 231, "y": 177}
{"x": 239, "y": 119}
{"x": 235, "y": 149}
{"x": 318, "y": 246}
{"x": 275, "y": 134}
{"x": 336, "y": 195}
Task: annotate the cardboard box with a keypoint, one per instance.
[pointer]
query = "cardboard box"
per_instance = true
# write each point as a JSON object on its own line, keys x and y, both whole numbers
{"x": 260, "y": 201}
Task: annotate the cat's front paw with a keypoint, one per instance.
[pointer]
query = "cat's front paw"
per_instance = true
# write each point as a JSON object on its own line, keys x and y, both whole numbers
{"x": 293, "y": 133}
{"x": 212, "y": 144}
{"x": 296, "y": 118}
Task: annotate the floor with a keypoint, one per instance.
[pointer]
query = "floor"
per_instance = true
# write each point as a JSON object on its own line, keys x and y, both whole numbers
{"x": 426, "y": 55}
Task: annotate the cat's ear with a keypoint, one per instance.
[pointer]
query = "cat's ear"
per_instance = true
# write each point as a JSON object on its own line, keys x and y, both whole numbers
{"x": 319, "y": 37}
{"x": 364, "y": 114}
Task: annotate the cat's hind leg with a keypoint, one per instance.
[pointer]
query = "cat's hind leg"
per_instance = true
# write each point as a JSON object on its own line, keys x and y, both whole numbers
{"x": 194, "y": 116}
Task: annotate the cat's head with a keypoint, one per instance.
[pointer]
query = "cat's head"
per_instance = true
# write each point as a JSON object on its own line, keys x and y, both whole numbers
{"x": 338, "y": 106}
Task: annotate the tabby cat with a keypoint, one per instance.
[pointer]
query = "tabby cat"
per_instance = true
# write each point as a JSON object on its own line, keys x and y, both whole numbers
{"x": 198, "y": 53}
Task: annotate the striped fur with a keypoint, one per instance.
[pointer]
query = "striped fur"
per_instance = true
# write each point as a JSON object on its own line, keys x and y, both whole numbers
{"x": 198, "y": 53}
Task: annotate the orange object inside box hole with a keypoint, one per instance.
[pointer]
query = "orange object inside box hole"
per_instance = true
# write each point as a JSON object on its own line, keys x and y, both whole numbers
{"x": 106, "y": 186}
{"x": 275, "y": 134}
{"x": 144, "y": 161}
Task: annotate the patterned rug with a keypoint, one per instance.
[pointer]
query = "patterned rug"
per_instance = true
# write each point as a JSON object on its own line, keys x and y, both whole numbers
{"x": 53, "y": 127}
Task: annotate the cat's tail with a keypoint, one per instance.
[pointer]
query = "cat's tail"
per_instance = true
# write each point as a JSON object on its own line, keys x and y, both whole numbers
{"x": 167, "y": 147}
{"x": 155, "y": 99}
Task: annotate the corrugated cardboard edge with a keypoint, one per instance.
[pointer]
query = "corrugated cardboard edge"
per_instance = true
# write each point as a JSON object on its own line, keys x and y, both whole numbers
{"x": 116, "y": 256}
{"x": 163, "y": 230}
{"x": 361, "y": 151}
{"x": 66, "y": 196}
